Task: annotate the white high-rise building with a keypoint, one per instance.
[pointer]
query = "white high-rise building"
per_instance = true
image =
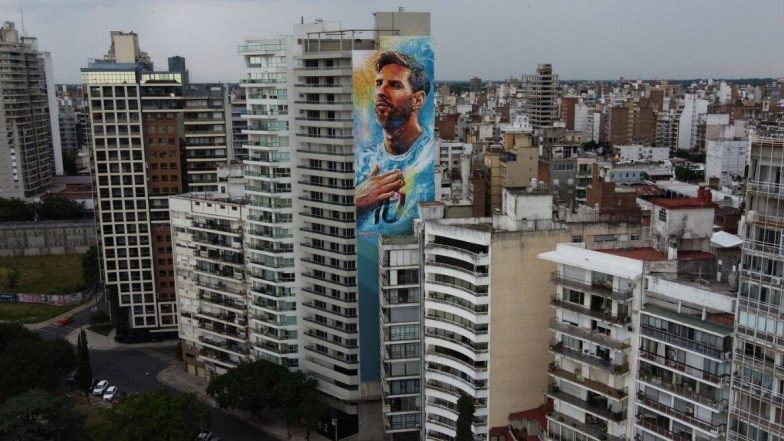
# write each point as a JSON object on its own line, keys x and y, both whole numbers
{"x": 269, "y": 229}
{"x": 693, "y": 107}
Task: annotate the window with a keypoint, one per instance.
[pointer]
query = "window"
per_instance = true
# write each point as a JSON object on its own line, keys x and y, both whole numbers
{"x": 662, "y": 215}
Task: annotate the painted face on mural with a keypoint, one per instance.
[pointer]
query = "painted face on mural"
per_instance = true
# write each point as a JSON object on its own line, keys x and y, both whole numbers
{"x": 394, "y": 99}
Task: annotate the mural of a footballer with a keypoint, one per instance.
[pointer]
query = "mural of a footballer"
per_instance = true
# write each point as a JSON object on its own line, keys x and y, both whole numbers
{"x": 397, "y": 172}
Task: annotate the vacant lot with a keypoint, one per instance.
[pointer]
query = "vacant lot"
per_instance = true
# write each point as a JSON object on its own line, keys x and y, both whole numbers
{"x": 30, "y": 312}
{"x": 54, "y": 274}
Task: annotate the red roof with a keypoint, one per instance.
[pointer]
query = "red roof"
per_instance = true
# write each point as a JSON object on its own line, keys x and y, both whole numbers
{"x": 538, "y": 414}
{"x": 643, "y": 253}
{"x": 683, "y": 203}
{"x": 504, "y": 432}
{"x": 694, "y": 254}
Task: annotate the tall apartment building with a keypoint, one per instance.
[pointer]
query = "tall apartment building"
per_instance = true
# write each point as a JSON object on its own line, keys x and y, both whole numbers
{"x": 209, "y": 249}
{"x": 757, "y": 388}
{"x": 484, "y": 320}
{"x": 152, "y": 137}
{"x": 688, "y": 121}
{"x": 643, "y": 336}
{"x": 270, "y": 229}
{"x": 401, "y": 330}
{"x": 27, "y": 163}
{"x": 540, "y": 93}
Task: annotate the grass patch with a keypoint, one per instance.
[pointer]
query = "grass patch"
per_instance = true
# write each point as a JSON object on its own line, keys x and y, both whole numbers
{"x": 101, "y": 329}
{"x": 26, "y": 313}
{"x": 53, "y": 274}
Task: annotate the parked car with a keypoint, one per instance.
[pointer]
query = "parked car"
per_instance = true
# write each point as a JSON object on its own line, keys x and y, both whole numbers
{"x": 100, "y": 387}
{"x": 110, "y": 393}
{"x": 207, "y": 436}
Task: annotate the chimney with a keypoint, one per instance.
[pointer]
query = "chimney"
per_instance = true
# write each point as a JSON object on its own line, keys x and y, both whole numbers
{"x": 704, "y": 195}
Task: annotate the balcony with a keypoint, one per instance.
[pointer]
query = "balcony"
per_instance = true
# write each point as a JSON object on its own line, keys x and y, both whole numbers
{"x": 229, "y": 346}
{"x": 716, "y": 430}
{"x": 717, "y": 380}
{"x": 616, "y": 319}
{"x": 685, "y": 343}
{"x": 602, "y": 363}
{"x": 587, "y": 334}
{"x": 681, "y": 391}
{"x": 602, "y": 290}
{"x": 593, "y": 385}
{"x": 595, "y": 409}
{"x": 661, "y": 430}
{"x": 596, "y": 431}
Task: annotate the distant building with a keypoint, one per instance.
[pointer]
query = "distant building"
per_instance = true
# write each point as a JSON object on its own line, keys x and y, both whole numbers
{"x": 540, "y": 92}
{"x": 27, "y": 163}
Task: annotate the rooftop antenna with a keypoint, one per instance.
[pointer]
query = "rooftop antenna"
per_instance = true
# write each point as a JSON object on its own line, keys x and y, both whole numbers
{"x": 21, "y": 16}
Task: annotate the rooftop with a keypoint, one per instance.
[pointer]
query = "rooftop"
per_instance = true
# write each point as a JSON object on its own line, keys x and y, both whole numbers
{"x": 683, "y": 203}
{"x": 718, "y": 323}
{"x": 646, "y": 254}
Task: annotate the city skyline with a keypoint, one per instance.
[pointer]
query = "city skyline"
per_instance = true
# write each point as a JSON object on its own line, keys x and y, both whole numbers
{"x": 605, "y": 41}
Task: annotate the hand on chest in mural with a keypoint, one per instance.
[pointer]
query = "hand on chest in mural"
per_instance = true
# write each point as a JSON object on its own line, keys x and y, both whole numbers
{"x": 378, "y": 188}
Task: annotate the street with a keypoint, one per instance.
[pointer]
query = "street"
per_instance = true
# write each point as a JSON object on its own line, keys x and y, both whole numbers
{"x": 136, "y": 370}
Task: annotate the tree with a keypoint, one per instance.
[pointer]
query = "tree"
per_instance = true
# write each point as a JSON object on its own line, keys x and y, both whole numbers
{"x": 157, "y": 415}
{"x": 58, "y": 207}
{"x": 250, "y": 387}
{"x": 84, "y": 371}
{"x": 90, "y": 268}
{"x": 300, "y": 402}
{"x": 465, "y": 416}
{"x": 28, "y": 362}
{"x": 37, "y": 415}
{"x": 688, "y": 173}
{"x": 15, "y": 210}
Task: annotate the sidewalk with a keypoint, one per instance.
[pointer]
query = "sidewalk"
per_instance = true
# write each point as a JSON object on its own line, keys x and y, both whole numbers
{"x": 176, "y": 377}
{"x": 90, "y": 302}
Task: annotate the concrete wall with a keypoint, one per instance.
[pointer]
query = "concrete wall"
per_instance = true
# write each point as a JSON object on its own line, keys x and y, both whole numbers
{"x": 47, "y": 237}
{"x": 520, "y": 313}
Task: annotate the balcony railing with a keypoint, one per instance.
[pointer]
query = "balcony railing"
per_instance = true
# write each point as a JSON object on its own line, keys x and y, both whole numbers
{"x": 617, "y": 319}
{"x": 582, "y": 285}
{"x": 596, "y": 431}
{"x": 661, "y": 430}
{"x": 555, "y": 393}
{"x": 682, "y": 342}
{"x": 715, "y": 429}
{"x": 594, "y": 385}
{"x": 587, "y": 334}
{"x": 685, "y": 368}
{"x": 682, "y": 391}
{"x": 607, "y": 365}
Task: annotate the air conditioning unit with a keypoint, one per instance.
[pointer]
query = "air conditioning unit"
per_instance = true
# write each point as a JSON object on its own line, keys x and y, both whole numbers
{"x": 775, "y": 280}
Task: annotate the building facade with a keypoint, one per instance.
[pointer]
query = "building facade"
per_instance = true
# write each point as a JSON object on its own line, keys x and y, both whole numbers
{"x": 28, "y": 162}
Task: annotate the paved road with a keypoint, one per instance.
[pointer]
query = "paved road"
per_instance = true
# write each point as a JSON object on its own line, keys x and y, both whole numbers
{"x": 136, "y": 370}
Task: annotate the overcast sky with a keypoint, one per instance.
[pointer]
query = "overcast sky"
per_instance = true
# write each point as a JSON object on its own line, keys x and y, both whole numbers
{"x": 594, "y": 39}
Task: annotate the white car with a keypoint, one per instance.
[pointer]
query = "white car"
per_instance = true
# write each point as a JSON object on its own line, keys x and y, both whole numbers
{"x": 100, "y": 388}
{"x": 110, "y": 393}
